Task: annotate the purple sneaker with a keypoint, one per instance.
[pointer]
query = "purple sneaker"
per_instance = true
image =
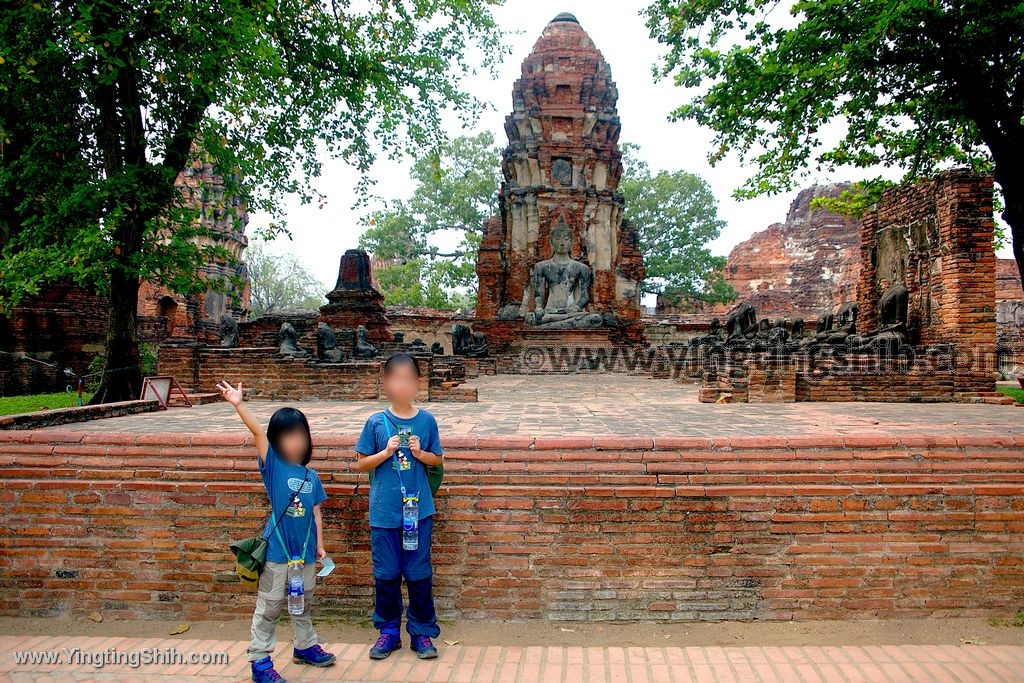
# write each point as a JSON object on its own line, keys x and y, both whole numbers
{"x": 314, "y": 655}
{"x": 385, "y": 645}
{"x": 263, "y": 672}
{"x": 423, "y": 647}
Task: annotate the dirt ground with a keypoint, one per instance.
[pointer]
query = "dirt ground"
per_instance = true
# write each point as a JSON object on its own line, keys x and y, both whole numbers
{"x": 893, "y": 631}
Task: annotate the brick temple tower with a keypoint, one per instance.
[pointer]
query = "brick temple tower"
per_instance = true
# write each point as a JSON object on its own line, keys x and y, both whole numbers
{"x": 562, "y": 163}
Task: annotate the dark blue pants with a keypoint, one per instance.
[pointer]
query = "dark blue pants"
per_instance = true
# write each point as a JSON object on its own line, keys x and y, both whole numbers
{"x": 390, "y": 564}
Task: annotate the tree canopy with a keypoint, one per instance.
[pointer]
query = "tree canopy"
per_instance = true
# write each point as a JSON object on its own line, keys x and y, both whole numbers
{"x": 676, "y": 215}
{"x": 103, "y": 103}
{"x": 456, "y": 190}
{"x": 279, "y": 282}
{"x": 917, "y": 85}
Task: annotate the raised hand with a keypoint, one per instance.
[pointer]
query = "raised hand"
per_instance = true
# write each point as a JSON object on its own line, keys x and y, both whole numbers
{"x": 230, "y": 394}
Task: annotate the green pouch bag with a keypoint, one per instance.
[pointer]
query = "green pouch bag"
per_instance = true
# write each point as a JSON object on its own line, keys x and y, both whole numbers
{"x": 251, "y": 553}
{"x": 250, "y": 558}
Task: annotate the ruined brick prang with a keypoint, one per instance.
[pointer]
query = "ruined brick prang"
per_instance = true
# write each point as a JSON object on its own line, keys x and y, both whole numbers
{"x": 800, "y": 268}
{"x": 562, "y": 161}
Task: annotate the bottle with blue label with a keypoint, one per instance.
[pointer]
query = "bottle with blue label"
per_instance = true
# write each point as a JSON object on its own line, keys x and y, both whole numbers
{"x": 410, "y": 524}
{"x": 296, "y": 586}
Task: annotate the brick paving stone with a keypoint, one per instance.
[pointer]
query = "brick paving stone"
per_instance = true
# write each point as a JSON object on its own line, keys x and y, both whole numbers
{"x": 493, "y": 664}
{"x": 602, "y": 405}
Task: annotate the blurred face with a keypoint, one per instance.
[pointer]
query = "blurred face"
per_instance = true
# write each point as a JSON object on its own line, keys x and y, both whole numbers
{"x": 293, "y": 445}
{"x": 401, "y": 383}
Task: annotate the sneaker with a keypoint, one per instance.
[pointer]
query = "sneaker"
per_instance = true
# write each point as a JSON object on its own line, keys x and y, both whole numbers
{"x": 263, "y": 672}
{"x": 314, "y": 655}
{"x": 385, "y": 645}
{"x": 423, "y": 647}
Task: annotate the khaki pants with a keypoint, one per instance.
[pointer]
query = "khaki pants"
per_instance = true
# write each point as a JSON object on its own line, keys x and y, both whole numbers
{"x": 271, "y": 600}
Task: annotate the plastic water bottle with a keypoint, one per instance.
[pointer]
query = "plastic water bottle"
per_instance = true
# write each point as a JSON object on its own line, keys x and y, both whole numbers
{"x": 410, "y": 524}
{"x": 296, "y": 586}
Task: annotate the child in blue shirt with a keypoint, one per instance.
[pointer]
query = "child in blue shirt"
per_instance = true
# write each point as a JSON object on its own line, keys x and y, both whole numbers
{"x": 393, "y": 466}
{"x": 295, "y": 494}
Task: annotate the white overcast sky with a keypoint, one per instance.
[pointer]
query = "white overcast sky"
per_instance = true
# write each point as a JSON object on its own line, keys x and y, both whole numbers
{"x": 320, "y": 236}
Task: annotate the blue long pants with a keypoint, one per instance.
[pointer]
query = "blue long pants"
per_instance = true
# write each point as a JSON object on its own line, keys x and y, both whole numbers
{"x": 391, "y": 563}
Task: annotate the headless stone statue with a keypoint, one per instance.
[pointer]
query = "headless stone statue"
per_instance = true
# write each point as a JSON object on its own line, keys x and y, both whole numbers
{"x": 479, "y": 348}
{"x": 289, "y": 341}
{"x": 893, "y": 308}
{"x": 822, "y": 328}
{"x": 561, "y": 287}
{"x": 714, "y": 337}
{"x": 846, "y": 323}
{"x": 893, "y": 312}
{"x": 741, "y": 326}
{"x": 228, "y": 332}
{"x": 364, "y": 349}
{"x": 328, "y": 343}
{"x": 467, "y": 343}
{"x": 461, "y": 340}
{"x": 778, "y": 335}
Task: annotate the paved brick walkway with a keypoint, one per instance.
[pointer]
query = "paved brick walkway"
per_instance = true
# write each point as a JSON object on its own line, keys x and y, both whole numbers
{"x": 480, "y": 664}
{"x": 546, "y": 405}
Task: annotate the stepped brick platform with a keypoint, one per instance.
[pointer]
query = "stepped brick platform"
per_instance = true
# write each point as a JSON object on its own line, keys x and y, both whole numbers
{"x": 493, "y": 664}
{"x": 797, "y": 525}
{"x": 605, "y": 404}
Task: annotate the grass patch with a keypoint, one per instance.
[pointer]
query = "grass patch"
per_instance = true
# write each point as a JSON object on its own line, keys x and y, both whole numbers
{"x": 11, "y": 405}
{"x": 1016, "y": 620}
{"x": 1016, "y": 392}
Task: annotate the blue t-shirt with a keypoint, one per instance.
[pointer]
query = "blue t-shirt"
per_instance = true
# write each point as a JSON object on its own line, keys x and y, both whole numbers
{"x": 282, "y": 479}
{"x": 385, "y": 491}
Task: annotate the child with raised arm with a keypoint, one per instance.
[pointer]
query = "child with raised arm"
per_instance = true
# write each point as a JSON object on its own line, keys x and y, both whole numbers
{"x": 397, "y": 445}
{"x": 296, "y": 494}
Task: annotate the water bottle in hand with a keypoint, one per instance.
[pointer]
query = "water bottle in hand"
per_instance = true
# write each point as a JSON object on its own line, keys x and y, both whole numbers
{"x": 296, "y": 587}
{"x": 410, "y": 524}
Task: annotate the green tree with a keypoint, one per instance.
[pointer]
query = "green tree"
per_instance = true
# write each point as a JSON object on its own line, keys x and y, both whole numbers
{"x": 915, "y": 84}
{"x": 101, "y": 102}
{"x": 456, "y": 190}
{"x": 280, "y": 283}
{"x": 677, "y": 215}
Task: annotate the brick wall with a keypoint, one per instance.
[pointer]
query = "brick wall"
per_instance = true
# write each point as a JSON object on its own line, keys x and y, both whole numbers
{"x": 64, "y": 325}
{"x": 936, "y": 237}
{"x": 567, "y": 528}
{"x": 268, "y": 376}
{"x": 427, "y": 324}
{"x": 762, "y": 378}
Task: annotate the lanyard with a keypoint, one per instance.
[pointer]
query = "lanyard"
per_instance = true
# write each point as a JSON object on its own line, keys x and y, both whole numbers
{"x": 397, "y": 465}
{"x": 309, "y": 527}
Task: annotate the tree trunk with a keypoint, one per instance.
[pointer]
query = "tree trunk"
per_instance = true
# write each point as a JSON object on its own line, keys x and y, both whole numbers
{"x": 122, "y": 380}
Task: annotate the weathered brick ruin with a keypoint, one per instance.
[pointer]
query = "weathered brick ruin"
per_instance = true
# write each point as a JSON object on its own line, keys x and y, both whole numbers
{"x": 65, "y": 325}
{"x": 807, "y": 264}
{"x": 562, "y": 165}
{"x": 1009, "y": 318}
{"x": 334, "y": 354}
{"x": 355, "y": 301}
{"x": 926, "y": 259}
